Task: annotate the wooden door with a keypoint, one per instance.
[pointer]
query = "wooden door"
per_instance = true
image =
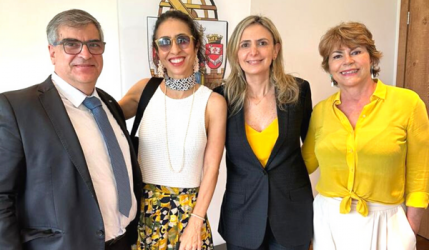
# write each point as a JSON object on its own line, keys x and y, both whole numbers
{"x": 413, "y": 59}
{"x": 413, "y": 56}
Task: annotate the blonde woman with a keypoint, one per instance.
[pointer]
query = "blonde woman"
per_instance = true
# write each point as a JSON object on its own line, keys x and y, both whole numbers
{"x": 268, "y": 198}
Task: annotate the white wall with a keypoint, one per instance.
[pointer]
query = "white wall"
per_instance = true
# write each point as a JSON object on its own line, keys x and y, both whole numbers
{"x": 24, "y": 58}
{"x": 302, "y": 23}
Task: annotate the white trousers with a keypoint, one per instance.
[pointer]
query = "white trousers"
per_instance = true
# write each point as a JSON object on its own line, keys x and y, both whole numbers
{"x": 385, "y": 228}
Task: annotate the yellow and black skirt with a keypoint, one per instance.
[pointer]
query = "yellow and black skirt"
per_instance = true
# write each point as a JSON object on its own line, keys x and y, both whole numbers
{"x": 165, "y": 214}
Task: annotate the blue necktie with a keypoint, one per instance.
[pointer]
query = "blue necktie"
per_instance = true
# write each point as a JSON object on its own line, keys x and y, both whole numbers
{"x": 115, "y": 153}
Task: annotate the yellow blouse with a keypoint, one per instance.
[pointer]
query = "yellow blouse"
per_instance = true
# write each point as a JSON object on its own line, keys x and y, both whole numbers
{"x": 384, "y": 158}
{"x": 262, "y": 143}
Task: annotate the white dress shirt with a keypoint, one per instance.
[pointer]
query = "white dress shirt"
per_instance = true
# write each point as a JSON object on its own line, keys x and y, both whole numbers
{"x": 97, "y": 157}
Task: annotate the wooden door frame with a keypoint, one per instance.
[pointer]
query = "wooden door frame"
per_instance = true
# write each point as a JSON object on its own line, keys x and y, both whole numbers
{"x": 402, "y": 43}
{"x": 400, "y": 78}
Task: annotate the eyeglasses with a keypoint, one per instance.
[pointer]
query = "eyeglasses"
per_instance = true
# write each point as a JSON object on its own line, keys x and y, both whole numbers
{"x": 74, "y": 47}
{"x": 165, "y": 43}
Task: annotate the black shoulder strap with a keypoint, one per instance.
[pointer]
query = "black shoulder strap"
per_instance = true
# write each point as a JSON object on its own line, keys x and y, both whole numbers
{"x": 147, "y": 94}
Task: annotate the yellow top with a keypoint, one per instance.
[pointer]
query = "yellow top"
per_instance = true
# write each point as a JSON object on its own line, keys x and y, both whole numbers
{"x": 262, "y": 143}
{"x": 384, "y": 158}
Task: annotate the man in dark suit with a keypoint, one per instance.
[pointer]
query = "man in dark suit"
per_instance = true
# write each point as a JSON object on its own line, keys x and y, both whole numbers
{"x": 59, "y": 187}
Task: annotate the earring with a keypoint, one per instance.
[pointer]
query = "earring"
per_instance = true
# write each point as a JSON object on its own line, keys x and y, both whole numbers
{"x": 160, "y": 70}
{"x": 333, "y": 82}
{"x": 373, "y": 76}
{"x": 196, "y": 65}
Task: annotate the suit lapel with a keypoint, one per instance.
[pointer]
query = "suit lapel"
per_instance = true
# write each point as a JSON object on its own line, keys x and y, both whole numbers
{"x": 283, "y": 120}
{"x": 54, "y": 107}
{"x": 241, "y": 131}
{"x": 121, "y": 121}
{"x": 109, "y": 103}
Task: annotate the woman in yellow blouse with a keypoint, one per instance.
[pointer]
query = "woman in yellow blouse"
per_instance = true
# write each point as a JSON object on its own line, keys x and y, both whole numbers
{"x": 371, "y": 143}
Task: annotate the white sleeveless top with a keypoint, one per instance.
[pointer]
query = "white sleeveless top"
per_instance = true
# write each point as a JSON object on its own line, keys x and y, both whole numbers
{"x": 153, "y": 157}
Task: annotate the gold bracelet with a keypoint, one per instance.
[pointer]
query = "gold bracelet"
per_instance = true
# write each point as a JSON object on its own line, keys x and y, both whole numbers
{"x": 197, "y": 216}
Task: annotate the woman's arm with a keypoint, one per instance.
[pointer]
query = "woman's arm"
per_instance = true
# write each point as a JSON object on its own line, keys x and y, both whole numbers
{"x": 308, "y": 148}
{"x": 216, "y": 130}
{"x": 417, "y": 171}
{"x": 414, "y": 216}
{"x": 131, "y": 99}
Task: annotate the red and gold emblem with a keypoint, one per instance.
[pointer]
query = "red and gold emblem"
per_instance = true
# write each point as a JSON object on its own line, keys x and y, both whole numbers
{"x": 214, "y": 51}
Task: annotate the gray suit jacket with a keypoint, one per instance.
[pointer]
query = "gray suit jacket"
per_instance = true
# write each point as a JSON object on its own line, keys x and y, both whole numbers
{"x": 47, "y": 200}
{"x": 280, "y": 192}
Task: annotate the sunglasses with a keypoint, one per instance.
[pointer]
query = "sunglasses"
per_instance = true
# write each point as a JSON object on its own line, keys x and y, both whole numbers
{"x": 165, "y": 43}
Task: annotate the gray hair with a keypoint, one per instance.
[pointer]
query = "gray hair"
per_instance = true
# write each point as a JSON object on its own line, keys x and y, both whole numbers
{"x": 70, "y": 18}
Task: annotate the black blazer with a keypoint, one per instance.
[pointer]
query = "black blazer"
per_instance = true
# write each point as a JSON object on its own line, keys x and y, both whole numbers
{"x": 47, "y": 199}
{"x": 280, "y": 192}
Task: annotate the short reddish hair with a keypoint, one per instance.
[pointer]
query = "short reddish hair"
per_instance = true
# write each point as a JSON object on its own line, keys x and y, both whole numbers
{"x": 350, "y": 34}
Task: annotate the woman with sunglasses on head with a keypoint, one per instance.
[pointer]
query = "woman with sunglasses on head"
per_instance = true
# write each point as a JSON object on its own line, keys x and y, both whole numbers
{"x": 268, "y": 198}
{"x": 182, "y": 135}
{"x": 371, "y": 143}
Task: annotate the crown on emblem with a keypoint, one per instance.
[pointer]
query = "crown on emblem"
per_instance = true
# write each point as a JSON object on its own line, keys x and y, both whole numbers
{"x": 214, "y": 38}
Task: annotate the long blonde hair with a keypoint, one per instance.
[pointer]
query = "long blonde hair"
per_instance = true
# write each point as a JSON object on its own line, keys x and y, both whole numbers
{"x": 287, "y": 90}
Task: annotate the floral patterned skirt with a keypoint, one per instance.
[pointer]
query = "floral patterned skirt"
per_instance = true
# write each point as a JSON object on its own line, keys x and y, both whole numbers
{"x": 164, "y": 216}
